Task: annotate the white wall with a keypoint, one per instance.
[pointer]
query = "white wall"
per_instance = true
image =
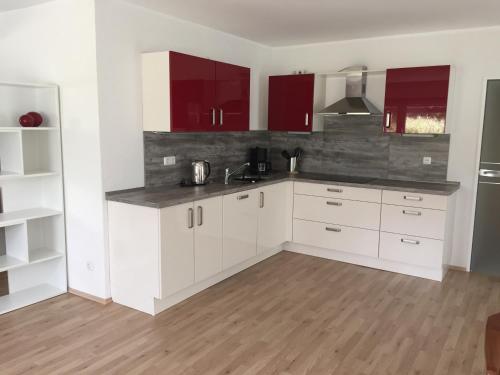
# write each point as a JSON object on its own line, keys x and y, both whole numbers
{"x": 474, "y": 56}
{"x": 55, "y": 42}
{"x": 123, "y": 32}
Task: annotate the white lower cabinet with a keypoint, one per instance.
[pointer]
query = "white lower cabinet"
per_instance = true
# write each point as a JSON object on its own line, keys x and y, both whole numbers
{"x": 337, "y": 211}
{"x": 160, "y": 257}
{"x": 207, "y": 238}
{"x": 191, "y": 244}
{"x": 422, "y": 222}
{"x": 274, "y": 218}
{"x": 347, "y": 239}
{"x": 411, "y": 250}
{"x": 177, "y": 248}
{"x": 239, "y": 227}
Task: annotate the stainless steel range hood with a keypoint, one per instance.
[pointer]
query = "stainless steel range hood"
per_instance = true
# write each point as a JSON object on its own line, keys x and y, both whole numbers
{"x": 355, "y": 102}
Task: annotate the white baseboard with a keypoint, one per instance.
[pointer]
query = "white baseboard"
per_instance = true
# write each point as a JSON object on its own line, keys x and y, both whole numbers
{"x": 361, "y": 260}
{"x": 163, "y": 304}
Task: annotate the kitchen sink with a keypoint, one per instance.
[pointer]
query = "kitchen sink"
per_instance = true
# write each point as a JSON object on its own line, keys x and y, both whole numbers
{"x": 248, "y": 179}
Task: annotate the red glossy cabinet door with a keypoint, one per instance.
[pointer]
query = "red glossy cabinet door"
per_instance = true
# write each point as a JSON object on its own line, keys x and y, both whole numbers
{"x": 291, "y": 99}
{"x": 232, "y": 97}
{"x": 192, "y": 93}
{"x": 416, "y": 99}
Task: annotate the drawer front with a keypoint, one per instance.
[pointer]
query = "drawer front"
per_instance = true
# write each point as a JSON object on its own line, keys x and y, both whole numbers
{"x": 337, "y": 211}
{"x": 437, "y": 202}
{"x": 413, "y": 221}
{"x": 341, "y": 192}
{"x": 336, "y": 237}
{"x": 411, "y": 250}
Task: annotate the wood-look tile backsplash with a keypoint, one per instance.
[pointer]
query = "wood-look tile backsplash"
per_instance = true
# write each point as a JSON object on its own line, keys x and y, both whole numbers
{"x": 350, "y": 145}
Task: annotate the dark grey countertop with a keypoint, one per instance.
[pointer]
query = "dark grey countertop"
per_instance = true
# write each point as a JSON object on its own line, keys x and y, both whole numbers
{"x": 167, "y": 196}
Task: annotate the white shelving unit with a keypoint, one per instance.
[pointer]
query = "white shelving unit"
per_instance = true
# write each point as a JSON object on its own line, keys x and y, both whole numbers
{"x": 33, "y": 248}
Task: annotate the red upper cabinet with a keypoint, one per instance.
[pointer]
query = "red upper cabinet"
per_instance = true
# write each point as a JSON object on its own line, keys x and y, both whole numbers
{"x": 291, "y": 101}
{"x": 192, "y": 92}
{"x": 232, "y": 97}
{"x": 184, "y": 93}
{"x": 416, "y": 100}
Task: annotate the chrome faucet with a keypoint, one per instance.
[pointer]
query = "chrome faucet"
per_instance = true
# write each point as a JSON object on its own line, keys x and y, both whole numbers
{"x": 229, "y": 174}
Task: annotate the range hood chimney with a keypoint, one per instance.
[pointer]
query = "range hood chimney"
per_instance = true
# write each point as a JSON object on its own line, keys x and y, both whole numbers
{"x": 355, "y": 102}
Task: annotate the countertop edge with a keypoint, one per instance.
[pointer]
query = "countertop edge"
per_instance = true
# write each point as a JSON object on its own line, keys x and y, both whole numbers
{"x": 118, "y": 196}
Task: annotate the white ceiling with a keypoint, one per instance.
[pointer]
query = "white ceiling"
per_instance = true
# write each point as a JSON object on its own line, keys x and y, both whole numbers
{"x": 288, "y": 22}
{"x": 6, "y": 5}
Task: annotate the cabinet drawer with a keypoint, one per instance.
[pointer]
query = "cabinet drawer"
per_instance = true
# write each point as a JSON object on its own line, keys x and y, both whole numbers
{"x": 414, "y": 221}
{"x": 411, "y": 250}
{"x": 335, "y": 191}
{"x": 336, "y": 237}
{"x": 437, "y": 202}
{"x": 337, "y": 211}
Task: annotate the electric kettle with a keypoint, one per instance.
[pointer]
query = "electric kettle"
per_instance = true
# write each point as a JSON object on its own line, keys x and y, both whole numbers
{"x": 200, "y": 172}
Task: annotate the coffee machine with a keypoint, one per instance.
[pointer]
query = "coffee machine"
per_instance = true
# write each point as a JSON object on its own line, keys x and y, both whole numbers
{"x": 258, "y": 161}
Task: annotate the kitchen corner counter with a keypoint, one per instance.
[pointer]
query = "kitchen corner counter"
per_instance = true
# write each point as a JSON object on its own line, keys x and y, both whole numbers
{"x": 166, "y": 196}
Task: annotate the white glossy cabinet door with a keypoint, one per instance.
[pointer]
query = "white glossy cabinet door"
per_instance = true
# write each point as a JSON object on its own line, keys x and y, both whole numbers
{"x": 177, "y": 248}
{"x": 207, "y": 238}
{"x": 274, "y": 202}
{"x": 240, "y": 227}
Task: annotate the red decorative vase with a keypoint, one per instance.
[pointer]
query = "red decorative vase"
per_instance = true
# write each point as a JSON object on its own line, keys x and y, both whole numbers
{"x": 27, "y": 121}
{"x": 37, "y": 117}
{"x": 31, "y": 120}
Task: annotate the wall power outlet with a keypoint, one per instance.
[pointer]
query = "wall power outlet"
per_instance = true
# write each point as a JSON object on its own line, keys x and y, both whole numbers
{"x": 427, "y": 160}
{"x": 169, "y": 160}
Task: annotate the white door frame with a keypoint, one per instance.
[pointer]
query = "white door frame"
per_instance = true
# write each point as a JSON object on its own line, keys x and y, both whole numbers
{"x": 477, "y": 165}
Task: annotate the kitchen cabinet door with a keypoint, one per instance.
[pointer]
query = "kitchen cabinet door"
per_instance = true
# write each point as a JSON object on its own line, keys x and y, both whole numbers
{"x": 416, "y": 99}
{"x": 240, "y": 227}
{"x": 177, "y": 248}
{"x": 208, "y": 238}
{"x": 232, "y": 97}
{"x": 192, "y": 93}
{"x": 291, "y": 100}
{"x": 275, "y": 216}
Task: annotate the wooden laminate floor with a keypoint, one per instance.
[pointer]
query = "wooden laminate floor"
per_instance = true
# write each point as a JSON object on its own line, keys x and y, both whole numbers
{"x": 291, "y": 314}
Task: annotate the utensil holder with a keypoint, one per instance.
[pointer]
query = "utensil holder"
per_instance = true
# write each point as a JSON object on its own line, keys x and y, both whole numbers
{"x": 292, "y": 165}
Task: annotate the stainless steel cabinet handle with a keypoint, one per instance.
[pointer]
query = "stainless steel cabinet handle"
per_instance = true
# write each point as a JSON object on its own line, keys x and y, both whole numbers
{"x": 200, "y": 216}
{"x": 410, "y": 212}
{"x": 489, "y": 173}
{"x": 329, "y": 229}
{"x": 411, "y": 242}
{"x": 334, "y": 190}
{"x": 334, "y": 203}
{"x": 221, "y": 117}
{"x": 244, "y": 196}
{"x": 307, "y": 119}
{"x": 388, "y": 120}
{"x": 213, "y": 116}
{"x": 261, "y": 199}
{"x": 413, "y": 198}
{"x": 190, "y": 218}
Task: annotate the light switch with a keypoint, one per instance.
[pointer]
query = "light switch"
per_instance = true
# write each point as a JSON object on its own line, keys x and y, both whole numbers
{"x": 427, "y": 160}
{"x": 169, "y": 160}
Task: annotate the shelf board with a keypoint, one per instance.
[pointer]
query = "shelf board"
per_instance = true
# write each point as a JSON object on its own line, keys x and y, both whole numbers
{"x": 347, "y": 72}
{"x": 20, "y": 128}
{"x": 7, "y": 175}
{"x": 8, "y": 263}
{"x": 19, "y": 217}
{"x": 28, "y": 296}
{"x": 30, "y": 85}
{"x": 43, "y": 254}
